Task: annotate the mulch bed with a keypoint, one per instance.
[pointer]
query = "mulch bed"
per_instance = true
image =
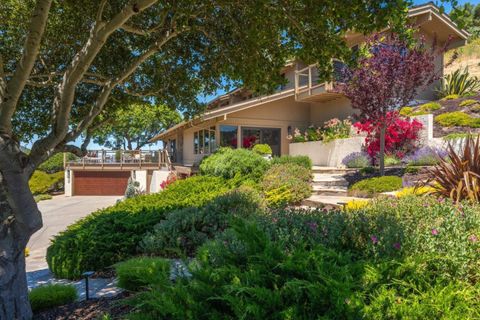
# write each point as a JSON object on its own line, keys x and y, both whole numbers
{"x": 88, "y": 310}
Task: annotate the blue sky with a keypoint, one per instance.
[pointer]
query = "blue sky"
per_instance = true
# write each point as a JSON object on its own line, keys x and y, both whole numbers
{"x": 207, "y": 98}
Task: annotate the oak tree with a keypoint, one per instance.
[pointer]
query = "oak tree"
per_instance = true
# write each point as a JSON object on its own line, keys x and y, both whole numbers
{"x": 65, "y": 64}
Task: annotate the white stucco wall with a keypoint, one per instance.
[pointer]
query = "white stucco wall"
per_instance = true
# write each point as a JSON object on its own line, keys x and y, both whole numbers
{"x": 68, "y": 185}
{"x": 328, "y": 154}
{"x": 158, "y": 176}
{"x": 141, "y": 177}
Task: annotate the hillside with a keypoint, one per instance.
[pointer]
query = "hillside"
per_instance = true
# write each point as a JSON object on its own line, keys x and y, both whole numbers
{"x": 468, "y": 56}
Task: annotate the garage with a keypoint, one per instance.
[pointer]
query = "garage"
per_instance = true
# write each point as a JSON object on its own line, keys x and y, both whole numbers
{"x": 100, "y": 183}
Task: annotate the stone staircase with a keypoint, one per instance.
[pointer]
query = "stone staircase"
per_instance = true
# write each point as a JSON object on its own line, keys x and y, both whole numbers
{"x": 329, "y": 188}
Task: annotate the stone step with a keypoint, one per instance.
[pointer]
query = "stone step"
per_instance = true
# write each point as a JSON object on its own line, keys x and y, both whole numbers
{"x": 319, "y": 201}
{"x": 332, "y": 170}
{"x": 329, "y": 180}
{"x": 320, "y": 191}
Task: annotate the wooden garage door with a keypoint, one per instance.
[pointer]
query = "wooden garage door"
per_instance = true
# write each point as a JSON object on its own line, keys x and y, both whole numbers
{"x": 100, "y": 183}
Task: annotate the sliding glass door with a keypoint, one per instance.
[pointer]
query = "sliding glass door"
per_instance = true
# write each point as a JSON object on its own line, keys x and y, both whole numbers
{"x": 271, "y": 136}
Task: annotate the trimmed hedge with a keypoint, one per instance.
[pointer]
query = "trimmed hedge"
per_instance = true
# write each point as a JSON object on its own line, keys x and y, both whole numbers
{"x": 52, "y": 295}
{"x": 233, "y": 163}
{"x": 137, "y": 273}
{"x": 110, "y": 235}
{"x": 370, "y": 187}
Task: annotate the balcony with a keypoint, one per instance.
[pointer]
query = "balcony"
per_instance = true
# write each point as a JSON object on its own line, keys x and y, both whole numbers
{"x": 308, "y": 87}
{"x": 121, "y": 160}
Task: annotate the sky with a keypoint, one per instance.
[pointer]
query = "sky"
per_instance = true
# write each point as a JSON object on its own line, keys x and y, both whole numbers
{"x": 207, "y": 98}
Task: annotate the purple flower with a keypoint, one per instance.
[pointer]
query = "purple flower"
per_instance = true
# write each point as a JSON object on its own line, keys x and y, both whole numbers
{"x": 434, "y": 232}
{"x": 356, "y": 160}
{"x": 473, "y": 238}
{"x": 426, "y": 156}
{"x": 374, "y": 239}
{"x": 397, "y": 245}
{"x": 313, "y": 226}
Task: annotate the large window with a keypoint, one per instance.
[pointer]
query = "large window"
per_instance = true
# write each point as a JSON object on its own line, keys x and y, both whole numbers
{"x": 228, "y": 136}
{"x": 204, "y": 141}
{"x": 270, "y": 136}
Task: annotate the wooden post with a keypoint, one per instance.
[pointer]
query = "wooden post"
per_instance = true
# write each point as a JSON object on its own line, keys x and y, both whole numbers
{"x": 309, "y": 80}
{"x": 159, "y": 159}
{"x": 140, "y": 157}
{"x": 64, "y": 160}
{"x": 121, "y": 158}
{"x": 296, "y": 83}
{"x": 103, "y": 157}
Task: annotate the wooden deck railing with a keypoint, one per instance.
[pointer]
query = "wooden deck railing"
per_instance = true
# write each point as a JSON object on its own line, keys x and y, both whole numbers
{"x": 307, "y": 79}
{"x": 122, "y": 158}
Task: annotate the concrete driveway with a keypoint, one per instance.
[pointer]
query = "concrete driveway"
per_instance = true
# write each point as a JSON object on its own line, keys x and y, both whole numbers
{"x": 58, "y": 213}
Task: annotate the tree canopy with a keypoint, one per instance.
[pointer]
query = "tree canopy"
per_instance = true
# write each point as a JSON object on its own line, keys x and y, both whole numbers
{"x": 134, "y": 125}
{"x": 67, "y": 65}
{"x": 467, "y": 16}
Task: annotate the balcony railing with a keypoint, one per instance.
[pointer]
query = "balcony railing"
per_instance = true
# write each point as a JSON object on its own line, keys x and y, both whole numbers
{"x": 308, "y": 86}
{"x": 122, "y": 158}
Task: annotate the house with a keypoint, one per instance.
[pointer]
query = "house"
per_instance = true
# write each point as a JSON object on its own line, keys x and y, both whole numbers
{"x": 240, "y": 119}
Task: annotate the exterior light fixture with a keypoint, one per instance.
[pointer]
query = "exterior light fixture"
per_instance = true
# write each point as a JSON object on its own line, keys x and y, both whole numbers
{"x": 86, "y": 275}
{"x": 289, "y": 130}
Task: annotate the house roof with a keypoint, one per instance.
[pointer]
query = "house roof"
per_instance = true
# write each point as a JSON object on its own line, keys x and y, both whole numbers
{"x": 430, "y": 12}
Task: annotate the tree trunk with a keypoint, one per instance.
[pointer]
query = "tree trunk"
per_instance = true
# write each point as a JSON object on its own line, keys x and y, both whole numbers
{"x": 19, "y": 219}
{"x": 382, "y": 150}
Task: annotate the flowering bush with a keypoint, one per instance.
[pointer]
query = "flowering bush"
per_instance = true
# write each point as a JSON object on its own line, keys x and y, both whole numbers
{"x": 331, "y": 130}
{"x": 171, "y": 178}
{"x": 400, "y": 138}
{"x": 425, "y": 156}
{"x": 356, "y": 160}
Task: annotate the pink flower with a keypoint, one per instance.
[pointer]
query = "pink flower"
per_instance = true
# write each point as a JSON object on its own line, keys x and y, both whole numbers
{"x": 374, "y": 239}
{"x": 473, "y": 238}
{"x": 397, "y": 245}
{"x": 434, "y": 232}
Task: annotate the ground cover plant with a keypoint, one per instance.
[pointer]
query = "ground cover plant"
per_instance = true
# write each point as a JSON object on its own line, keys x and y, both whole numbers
{"x": 51, "y": 295}
{"x": 357, "y": 160}
{"x": 138, "y": 273}
{"x": 413, "y": 257}
{"x": 111, "y": 235}
{"x": 373, "y": 186}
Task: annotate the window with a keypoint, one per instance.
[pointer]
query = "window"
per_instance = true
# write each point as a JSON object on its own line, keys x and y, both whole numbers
{"x": 228, "y": 136}
{"x": 204, "y": 141}
{"x": 270, "y": 136}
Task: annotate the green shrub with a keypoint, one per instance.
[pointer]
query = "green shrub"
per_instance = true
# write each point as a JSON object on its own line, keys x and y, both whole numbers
{"x": 303, "y": 161}
{"x": 367, "y": 170}
{"x": 42, "y": 197}
{"x": 392, "y": 161}
{"x": 468, "y": 102}
{"x": 372, "y": 186}
{"x": 457, "y": 135}
{"x": 110, "y": 235}
{"x": 412, "y": 169}
{"x": 248, "y": 274}
{"x": 52, "y": 295}
{"x": 457, "y": 118}
{"x": 428, "y": 107}
{"x": 262, "y": 149}
{"x": 459, "y": 83}
{"x": 229, "y": 163}
{"x": 285, "y": 184}
{"x": 42, "y": 182}
{"x": 55, "y": 163}
{"x": 406, "y": 111}
{"x": 184, "y": 230}
{"x": 138, "y": 273}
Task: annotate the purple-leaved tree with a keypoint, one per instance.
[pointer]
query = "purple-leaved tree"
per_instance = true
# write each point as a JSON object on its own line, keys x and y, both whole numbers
{"x": 388, "y": 76}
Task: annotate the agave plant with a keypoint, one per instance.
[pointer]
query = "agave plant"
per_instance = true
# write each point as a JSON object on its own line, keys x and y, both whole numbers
{"x": 457, "y": 176}
{"x": 459, "y": 82}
